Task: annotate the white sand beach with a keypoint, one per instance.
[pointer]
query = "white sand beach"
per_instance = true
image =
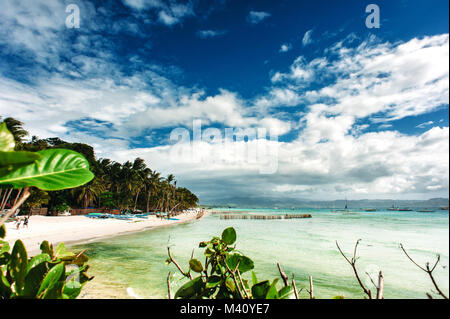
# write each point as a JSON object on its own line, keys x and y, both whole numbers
{"x": 75, "y": 229}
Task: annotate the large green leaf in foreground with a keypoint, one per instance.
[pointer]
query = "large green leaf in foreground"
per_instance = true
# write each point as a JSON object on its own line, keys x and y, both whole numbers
{"x": 57, "y": 169}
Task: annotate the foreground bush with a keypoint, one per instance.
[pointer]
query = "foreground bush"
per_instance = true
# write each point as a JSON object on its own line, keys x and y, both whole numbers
{"x": 53, "y": 274}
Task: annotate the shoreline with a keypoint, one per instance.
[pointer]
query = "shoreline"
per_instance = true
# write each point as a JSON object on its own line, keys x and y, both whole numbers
{"x": 74, "y": 230}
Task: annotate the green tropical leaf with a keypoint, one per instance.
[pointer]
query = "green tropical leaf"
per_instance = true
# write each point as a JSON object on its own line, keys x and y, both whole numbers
{"x": 36, "y": 260}
{"x": 55, "y": 291}
{"x": 272, "y": 293}
{"x": 57, "y": 169}
{"x": 230, "y": 284}
{"x": 229, "y": 235}
{"x": 245, "y": 263}
{"x": 259, "y": 291}
{"x": 51, "y": 279}
{"x": 60, "y": 250}
{"x": 10, "y": 161}
{"x": 46, "y": 248}
{"x": 213, "y": 281}
{"x": 7, "y": 142}
{"x": 18, "y": 264}
{"x": 5, "y": 287}
{"x": 254, "y": 279}
{"x": 4, "y": 247}
{"x": 196, "y": 265}
{"x": 190, "y": 289}
{"x": 72, "y": 289}
{"x": 34, "y": 279}
{"x": 286, "y": 293}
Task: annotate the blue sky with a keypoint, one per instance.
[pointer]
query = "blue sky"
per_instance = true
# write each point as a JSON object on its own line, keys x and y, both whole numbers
{"x": 358, "y": 112}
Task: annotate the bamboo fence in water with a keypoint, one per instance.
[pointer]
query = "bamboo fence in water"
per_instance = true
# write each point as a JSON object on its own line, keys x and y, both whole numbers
{"x": 286, "y": 216}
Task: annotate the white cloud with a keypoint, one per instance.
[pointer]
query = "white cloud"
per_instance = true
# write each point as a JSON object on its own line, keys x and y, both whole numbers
{"x": 425, "y": 124}
{"x": 392, "y": 81}
{"x": 307, "y": 38}
{"x": 255, "y": 17}
{"x": 285, "y": 47}
{"x": 204, "y": 34}
{"x": 87, "y": 98}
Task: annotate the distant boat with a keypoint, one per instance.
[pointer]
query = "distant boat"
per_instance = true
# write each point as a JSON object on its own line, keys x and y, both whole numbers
{"x": 426, "y": 211}
{"x": 393, "y": 208}
{"x": 345, "y": 210}
{"x": 405, "y": 209}
{"x": 370, "y": 210}
{"x": 443, "y": 208}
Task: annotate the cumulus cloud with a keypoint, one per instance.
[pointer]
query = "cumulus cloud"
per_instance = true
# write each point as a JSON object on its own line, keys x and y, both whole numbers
{"x": 337, "y": 136}
{"x": 169, "y": 13}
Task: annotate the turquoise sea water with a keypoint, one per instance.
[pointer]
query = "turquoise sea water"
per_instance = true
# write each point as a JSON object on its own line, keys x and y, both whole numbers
{"x": 302, "y": 246}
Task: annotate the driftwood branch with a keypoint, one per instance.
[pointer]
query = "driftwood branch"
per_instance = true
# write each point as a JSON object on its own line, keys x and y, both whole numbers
{"x": 311, "y": 288}
{"x": 283, "y": 275}
{"x": 186, "y": 274}
{"x": 168, "y": 286}
{"x": 429, "y": 270}
{"x": 352, "y": 263}
{"x": 380, "y": 286}
{"x": 294, "y": 287}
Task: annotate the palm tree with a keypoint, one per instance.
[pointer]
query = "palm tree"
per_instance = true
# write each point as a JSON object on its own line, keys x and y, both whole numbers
{"x": 89, "y": 192}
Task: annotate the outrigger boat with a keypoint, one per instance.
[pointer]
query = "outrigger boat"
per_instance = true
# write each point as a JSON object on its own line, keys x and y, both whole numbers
{"x": 345, "y": 210}
{"x": 426, "y": 211}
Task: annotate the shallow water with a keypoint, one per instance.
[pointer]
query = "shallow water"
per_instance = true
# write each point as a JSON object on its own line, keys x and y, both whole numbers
{"x": 302, "y": 246}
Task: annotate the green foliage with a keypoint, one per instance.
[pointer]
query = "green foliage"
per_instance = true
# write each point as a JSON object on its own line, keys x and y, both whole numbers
{"x": 222, "y": 274}
{"x": 48, "y": 274}
{"x": 131, "y": 185}
{"x": 107, "y": 199}
{"x": 45, "y": 276}
{"x": 229, "y": 236}
{"x": 61, "y": 207}
{"x": 56, "y": 169}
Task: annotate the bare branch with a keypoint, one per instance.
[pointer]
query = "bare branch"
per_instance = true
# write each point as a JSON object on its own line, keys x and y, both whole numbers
{"x": 311, "y": 288}
{"x": 412, "y": 260}
{"x": 294, "y": 287}
{"x": 242, "y": 283}
{"x": 233, "y": 274}
{"x": 380, "y": 286}
{"x": 186, "y": 274}
{"x": 429, "y": 271}
{"x": 283, "y": 275}
{"x": 168, "y": 286}
{"x": 353, "y": 264}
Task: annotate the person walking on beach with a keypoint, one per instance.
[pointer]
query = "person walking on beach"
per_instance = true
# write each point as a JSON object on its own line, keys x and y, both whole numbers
{"x": 25, "y": 222}
{"x": 18, "y": 222}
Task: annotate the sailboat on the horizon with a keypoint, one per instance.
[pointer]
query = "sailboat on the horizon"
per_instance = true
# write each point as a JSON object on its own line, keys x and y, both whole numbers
{"x": 393, "y": 207}
{"x": 345, "y": 210}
